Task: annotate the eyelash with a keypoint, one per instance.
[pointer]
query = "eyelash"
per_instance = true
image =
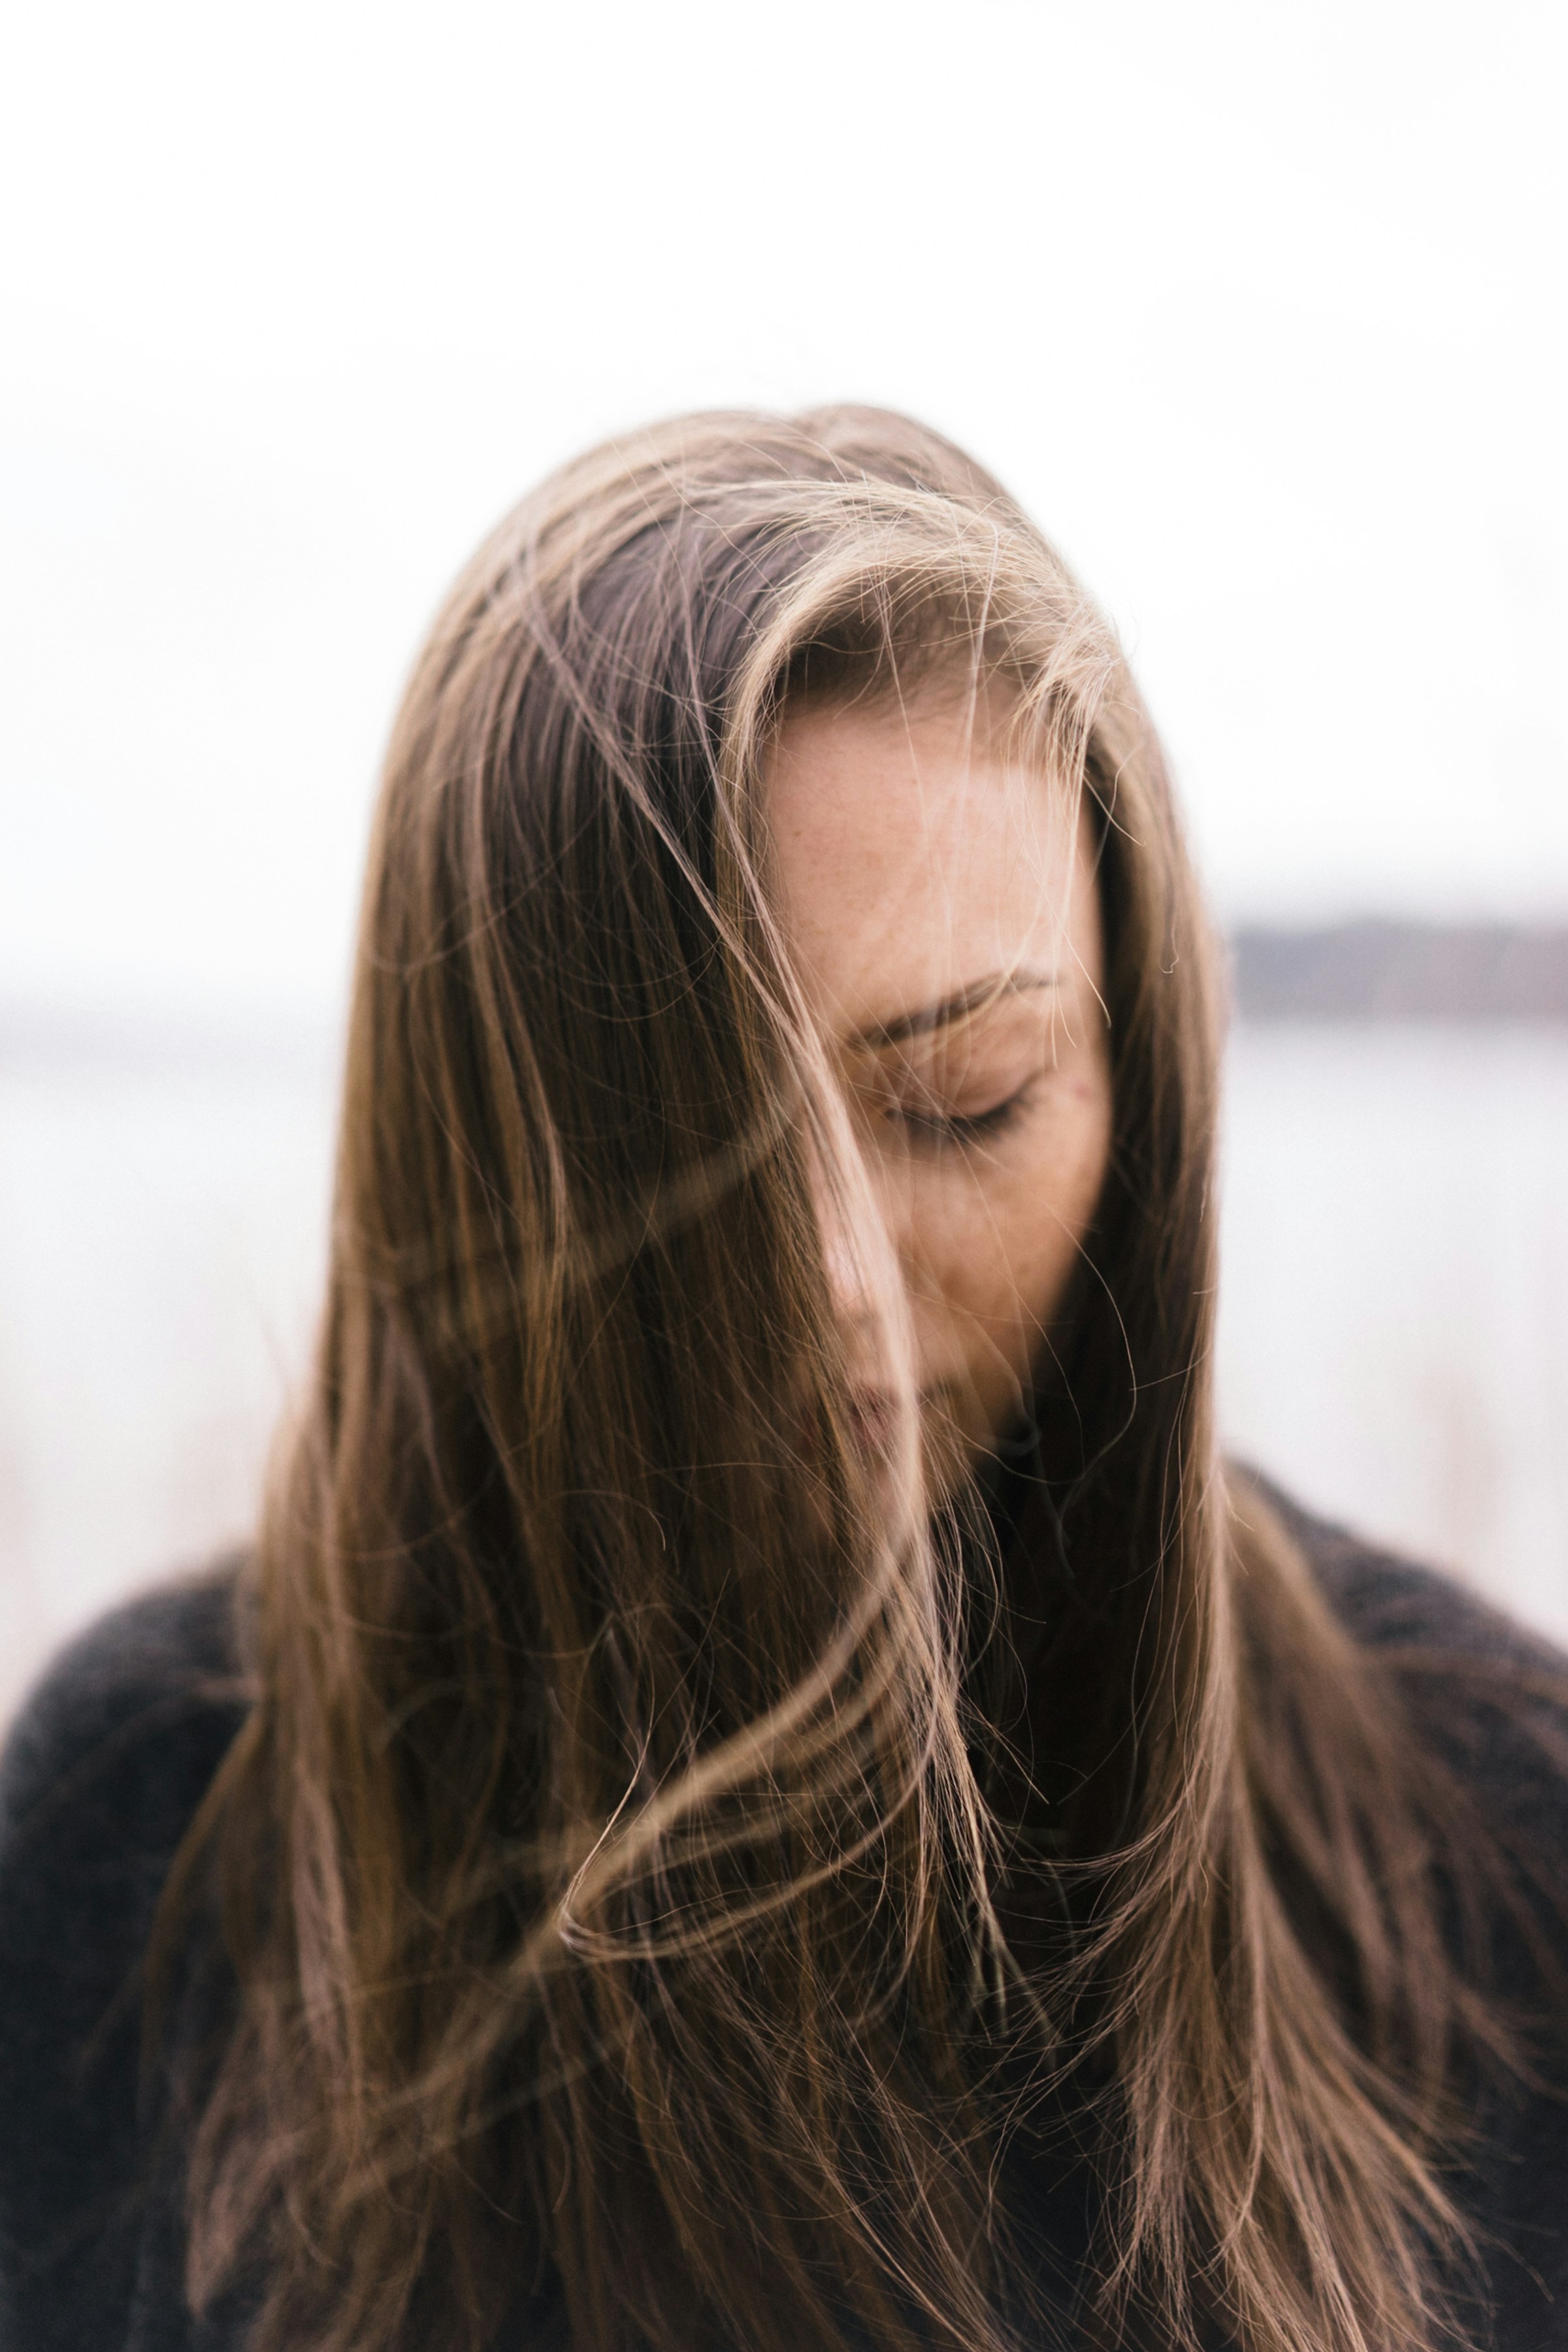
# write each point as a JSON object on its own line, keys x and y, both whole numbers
{"x": 956, "y": 1131}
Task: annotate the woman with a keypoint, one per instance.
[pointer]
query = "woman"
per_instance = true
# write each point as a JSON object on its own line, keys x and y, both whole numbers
{"x": 762, "y": 1786}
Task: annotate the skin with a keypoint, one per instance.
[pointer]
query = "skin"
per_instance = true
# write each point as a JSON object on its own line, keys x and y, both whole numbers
{"x": 940, "y": 903}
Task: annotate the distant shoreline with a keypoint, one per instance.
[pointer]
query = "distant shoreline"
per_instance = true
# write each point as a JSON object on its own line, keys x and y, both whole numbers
{"x": 1379, "y": 970}
{"x": 1375, "y": 969}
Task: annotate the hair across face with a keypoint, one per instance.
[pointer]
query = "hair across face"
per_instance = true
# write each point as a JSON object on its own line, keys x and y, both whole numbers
{"x": 941, "y": 906}
{"x": 784, "y": 1025}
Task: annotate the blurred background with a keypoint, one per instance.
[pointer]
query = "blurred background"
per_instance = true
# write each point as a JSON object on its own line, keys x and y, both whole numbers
{"x": 1261, "y": 309}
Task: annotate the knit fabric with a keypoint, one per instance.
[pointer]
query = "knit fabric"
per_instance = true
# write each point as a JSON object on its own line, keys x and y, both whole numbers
{"x": 110, "y": 1757}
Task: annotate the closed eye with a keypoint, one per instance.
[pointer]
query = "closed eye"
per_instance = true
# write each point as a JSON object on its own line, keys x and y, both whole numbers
{"x": 955, "y": 1130}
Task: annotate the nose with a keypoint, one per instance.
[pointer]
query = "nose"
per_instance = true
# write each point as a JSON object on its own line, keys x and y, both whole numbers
{"x": 847, "y": 1284}
{"x": 858, "y": 1247}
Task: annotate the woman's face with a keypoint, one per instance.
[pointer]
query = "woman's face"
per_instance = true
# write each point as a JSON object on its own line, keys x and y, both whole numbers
{"x": 941, "y": 902}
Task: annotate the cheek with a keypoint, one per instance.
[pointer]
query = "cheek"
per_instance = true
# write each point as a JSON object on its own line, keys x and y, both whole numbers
{"x": 995, "y": 1241}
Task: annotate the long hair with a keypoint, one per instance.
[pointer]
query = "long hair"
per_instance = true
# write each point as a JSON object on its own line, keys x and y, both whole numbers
{"x": 633, "y": 1873}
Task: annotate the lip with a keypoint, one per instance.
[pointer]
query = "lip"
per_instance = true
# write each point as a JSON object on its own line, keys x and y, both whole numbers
{"x": 873, "y": 1420}
{"x": 873, "y": 1417}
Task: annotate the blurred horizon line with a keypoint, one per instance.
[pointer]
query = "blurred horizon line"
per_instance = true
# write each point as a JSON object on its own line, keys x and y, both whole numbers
{"x": 1370, "y": 970}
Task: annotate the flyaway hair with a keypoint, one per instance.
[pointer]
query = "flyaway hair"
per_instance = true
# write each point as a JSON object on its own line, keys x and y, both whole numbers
{"x": 651, "y": 1856}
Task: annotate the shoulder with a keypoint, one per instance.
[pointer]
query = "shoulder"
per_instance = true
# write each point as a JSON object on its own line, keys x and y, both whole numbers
{"x": 1487, "y": 1701}
{"x": 100, "y": 1776}
{"x": 127, "y": 1724}
{"x": 105, "y": 1766}
{"x": 1485, "y": 1693}
{"x": 1391, "y": 1603}
{"x": 1430, "y": 1629}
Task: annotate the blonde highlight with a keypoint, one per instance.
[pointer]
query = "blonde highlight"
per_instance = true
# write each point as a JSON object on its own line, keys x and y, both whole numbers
{"x": 624, "y": 1870}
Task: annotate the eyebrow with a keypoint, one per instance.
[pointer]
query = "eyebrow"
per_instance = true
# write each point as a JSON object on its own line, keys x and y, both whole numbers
{"x": 972, "y": 999}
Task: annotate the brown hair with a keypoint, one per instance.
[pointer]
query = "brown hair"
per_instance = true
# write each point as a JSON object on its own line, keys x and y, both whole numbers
{"x": 632, "y": 1865}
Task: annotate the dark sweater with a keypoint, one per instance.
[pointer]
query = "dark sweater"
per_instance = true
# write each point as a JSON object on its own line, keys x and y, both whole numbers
{"x": 110, "y": 1760}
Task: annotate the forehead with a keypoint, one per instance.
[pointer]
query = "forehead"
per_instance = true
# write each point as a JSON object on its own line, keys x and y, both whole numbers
{"x": 914, "y": 855}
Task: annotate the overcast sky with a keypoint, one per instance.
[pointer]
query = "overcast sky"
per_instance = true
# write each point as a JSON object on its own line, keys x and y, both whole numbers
{"x": 1261, "y": 308}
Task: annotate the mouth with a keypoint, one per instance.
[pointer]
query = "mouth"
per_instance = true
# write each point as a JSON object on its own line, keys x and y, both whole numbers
{"x": 943, "y": 1456}
{"x": 875, "y": 1412}
{"x": 874, "y": 1420}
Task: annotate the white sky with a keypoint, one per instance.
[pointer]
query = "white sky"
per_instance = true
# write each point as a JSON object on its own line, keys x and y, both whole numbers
{"x": 1260, "y": 306}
